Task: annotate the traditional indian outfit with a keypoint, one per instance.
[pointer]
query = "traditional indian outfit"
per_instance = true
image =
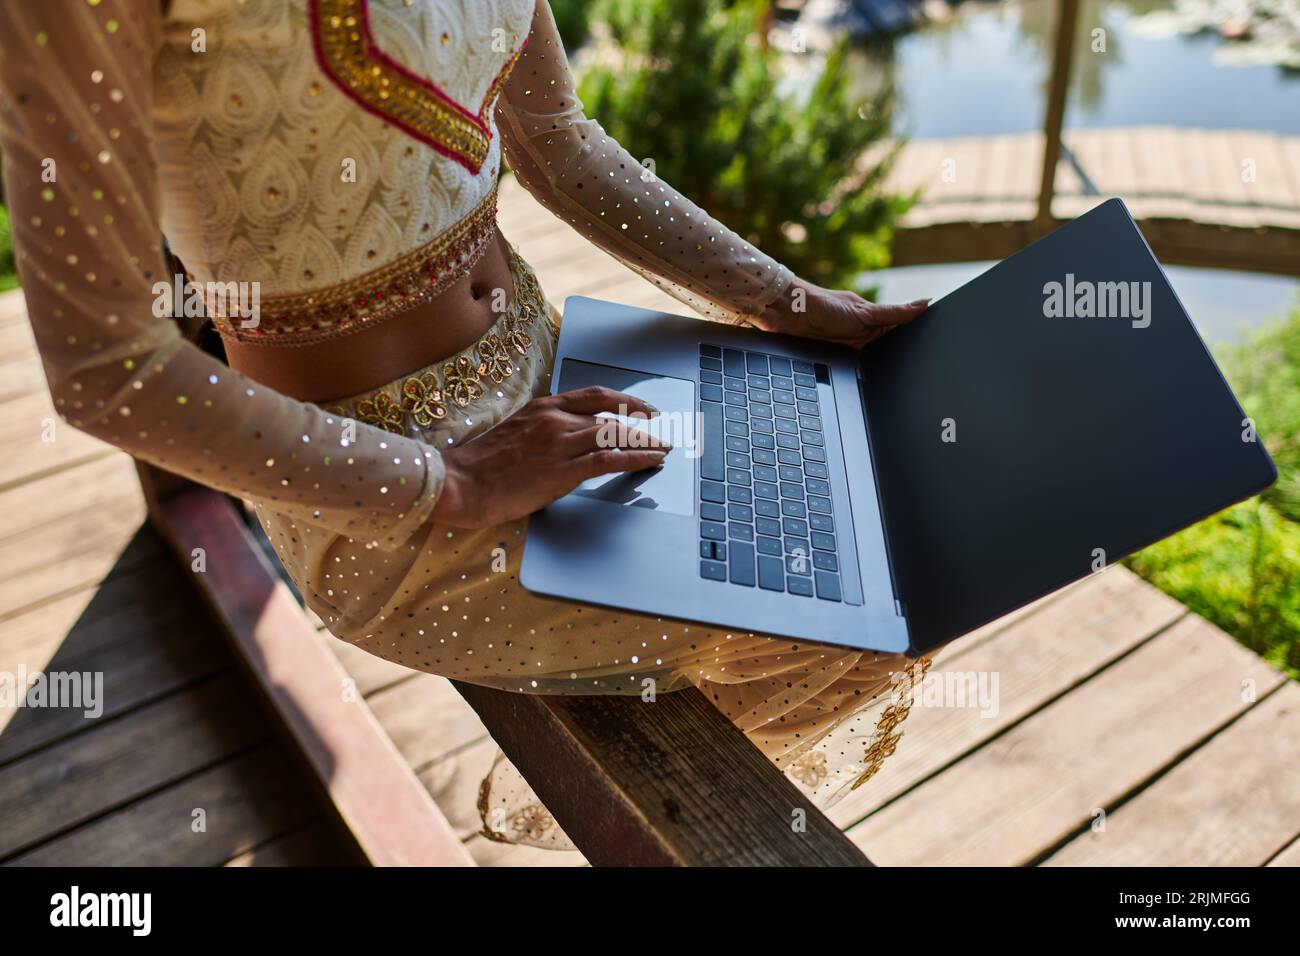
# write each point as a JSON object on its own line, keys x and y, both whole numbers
{"x": 344, "y": 154}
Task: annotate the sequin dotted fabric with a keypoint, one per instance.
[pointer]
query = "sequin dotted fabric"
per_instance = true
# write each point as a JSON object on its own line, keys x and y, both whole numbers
{"x": 231, "y": 126}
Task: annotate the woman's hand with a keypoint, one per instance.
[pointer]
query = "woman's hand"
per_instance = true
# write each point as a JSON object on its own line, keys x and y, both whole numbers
{"x": 812, "y": 312}
{"x": 542, "y": 452}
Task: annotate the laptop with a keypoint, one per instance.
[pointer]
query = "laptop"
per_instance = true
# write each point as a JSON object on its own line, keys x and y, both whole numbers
{"x": 1050, "y": 417}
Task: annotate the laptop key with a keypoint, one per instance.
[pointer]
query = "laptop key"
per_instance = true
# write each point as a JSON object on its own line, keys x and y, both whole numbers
{"x": 764, "y": 472}
{"x": 711, "y": 364}
{"x": 733, "y": 362}
{"x": 787, "y": 441}
{"x": 735, "y": 414}
{"x": 770, "y": 546}
{"x": 740, "y": 563}
{"x": 765, "y": 489}
{"x": 793, "y": 509}
{"x": 768, "y": 526}
{"x": 711, "y": 450}
{"x": 795, "y": 526}
{"x": 710, "y": 378}
{"x": 734, "y": 384}
{"x": 782, "y": 397}
{"x": 813, "y": 453}
{"x": 819, "y": 504}
{"x": 800, "y": 586}
{"x": 823, "y": 541}
{"x": 798, "y": 564}
{"x": 713, "y": 530}
{"x": 739, "y": 494}
{"x": 767, "y": 508}
{"x": 711, "y": 393}
{"x": 811, "y": 437}
{"x": 779, "y": 366}
{"x": 737, "y": 459}
{"x": 756, "y": 362}
{"x": 761, "y": 425}
{"x": 736, "y": 398}
{"x": 712, "y": 512}
{"x": 788, "y": 456}
{"x": 737, "y": 444}
{"x": 795, "y": 545}
{"x": 714, "y": 350}
{"x": 764, "y": 456}
{"x": 825, "y": 561}
{"x": 787, "y": 426}
{"x": 791, "y": 473}
{"x": 781, "y": 381}
{"x": 791, "y": 490}
{"x": 760, "y": 411}
{"x": 739, "y": 531}
{"x": 713, "y": 570}
{"x": 816, "y": 469}
{"x": 807, "y": 408}
{"x": 828, "y": 586}
{"x": 706, "y": 550}
{"x": 821, "y": 522}
{"x": 740, "y": 512}
{"x": 817, "y": 486}
{"x": 738, "y": 476}
{"x": 771, "y": 575}
{"x": 738, "y": 429}
{"x": 712, "y": 491}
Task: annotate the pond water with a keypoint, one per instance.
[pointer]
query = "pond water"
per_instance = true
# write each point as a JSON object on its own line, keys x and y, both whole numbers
{"x": 984, "y": 72}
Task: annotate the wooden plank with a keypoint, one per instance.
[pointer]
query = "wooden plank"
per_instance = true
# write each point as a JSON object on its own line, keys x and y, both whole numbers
{"x": 1233, "y": 802}
{"x": 378, "y": 797}
{"x": 71, "y": 552}
{"x": 316, "y": 843}
{"x": 1040, "y": 782}
{"x": 425, "y": 718}
{"x": 243, "y": 802}
{"x": 100, "y": 483}
{"x": 1290, "y": 856}
{"x": 23, "y": 427}
{"x": 94, "y": 772}
{"x": 370, "y": 671}
{"x": 1035, "y": 661}
{"x": 667, "y": 783}
{"x": 149, "y": 643}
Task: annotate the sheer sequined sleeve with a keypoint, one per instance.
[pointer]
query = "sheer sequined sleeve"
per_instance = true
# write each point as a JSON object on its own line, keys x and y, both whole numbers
{"x": 75, "y": 93}
{"x": 586, "y": 178}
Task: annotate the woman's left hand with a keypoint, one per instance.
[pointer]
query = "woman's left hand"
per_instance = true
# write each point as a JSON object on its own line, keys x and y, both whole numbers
{"x": 812, "y": 312}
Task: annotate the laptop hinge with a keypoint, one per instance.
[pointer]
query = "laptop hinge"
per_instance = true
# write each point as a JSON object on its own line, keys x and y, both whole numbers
{"x": 900, "y": 607}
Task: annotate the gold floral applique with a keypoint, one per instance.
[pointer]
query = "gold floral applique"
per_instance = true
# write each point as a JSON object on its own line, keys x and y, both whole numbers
{"x": 461, "y": 381}
{"x": 382, "y": 412}
{"x": 531, "y": 823}
{"x": 884, "y": 741}
{"x": 810, "y": 769}
{"x": 423, "y": 400}
{"x": 495, "y": 360}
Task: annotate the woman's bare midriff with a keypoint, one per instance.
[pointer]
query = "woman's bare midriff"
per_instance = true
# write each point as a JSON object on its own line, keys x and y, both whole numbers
{"x": 355, "y": 363}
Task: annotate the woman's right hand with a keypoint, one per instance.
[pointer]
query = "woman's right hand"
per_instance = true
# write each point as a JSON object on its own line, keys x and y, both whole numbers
{"x": 540, "y": 453}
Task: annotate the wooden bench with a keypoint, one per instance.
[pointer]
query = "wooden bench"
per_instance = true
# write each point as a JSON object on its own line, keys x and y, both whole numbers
{"x": 668, "y": 784}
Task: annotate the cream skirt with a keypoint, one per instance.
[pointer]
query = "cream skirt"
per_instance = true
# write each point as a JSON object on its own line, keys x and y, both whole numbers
{"x": 449, "y": 602}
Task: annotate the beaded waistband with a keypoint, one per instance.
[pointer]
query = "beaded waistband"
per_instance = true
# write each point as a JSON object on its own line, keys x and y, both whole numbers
{"x": 423, "y": 399}
{"x": 413, "y": 278}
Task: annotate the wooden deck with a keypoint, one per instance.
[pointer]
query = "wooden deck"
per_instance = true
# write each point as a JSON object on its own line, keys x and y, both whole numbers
{"x": 1127, "y": 729}
{"x": 1219, "y": 198}
{"x": 183, "y": 766}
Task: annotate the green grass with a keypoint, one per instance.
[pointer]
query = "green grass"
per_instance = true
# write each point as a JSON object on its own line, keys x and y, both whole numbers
{"x": 1241, "y": 568}
{"x": 8, "y": 275}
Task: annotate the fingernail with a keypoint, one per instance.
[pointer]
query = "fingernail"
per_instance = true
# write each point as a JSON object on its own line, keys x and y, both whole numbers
{"x": 919, "y": 302}
{"x": 652, "y": 410}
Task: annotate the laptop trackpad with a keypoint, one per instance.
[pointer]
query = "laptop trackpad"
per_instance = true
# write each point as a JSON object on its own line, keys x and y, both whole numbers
{"x": 670, "y": 488}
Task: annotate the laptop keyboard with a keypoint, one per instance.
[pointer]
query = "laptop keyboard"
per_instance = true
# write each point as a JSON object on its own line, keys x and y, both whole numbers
{"x": 765, "y": 497}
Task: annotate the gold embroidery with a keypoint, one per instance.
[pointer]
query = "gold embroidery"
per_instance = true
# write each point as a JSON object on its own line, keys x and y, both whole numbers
{"x": 884, "y": 741}
{"x": 348, "y": 55}
{"x": 532, "y": 822}
{"x": 382, "y": 412}
{"x": 412, "y": 278}
{"x": 462, "y": 381}
{"x": 422, "y": 399}
{"x": 495, "y": 359}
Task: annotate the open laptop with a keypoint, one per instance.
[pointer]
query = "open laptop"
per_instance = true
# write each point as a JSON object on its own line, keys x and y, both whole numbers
{"x": 1053, "y": 415}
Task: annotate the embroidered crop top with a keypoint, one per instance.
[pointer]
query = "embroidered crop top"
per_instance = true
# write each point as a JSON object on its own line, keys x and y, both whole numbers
{"x": 342, "y": 155}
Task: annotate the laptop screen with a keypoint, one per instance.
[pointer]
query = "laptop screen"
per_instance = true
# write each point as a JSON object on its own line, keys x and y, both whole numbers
{"x": 1052, "y": 416}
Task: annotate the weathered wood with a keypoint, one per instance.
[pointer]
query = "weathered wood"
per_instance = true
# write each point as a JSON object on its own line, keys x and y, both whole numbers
{"x": 1040, "y": 782}
{"x": 1036, "y": 660}
{"x": 668, "y": 783}
{"x": 1233, "y": 802}
{"x": 389, "y": 813}
{"x": 245, "y": 801}
{"x": 311, "y": 844}
{"x": 101, "y": 769}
